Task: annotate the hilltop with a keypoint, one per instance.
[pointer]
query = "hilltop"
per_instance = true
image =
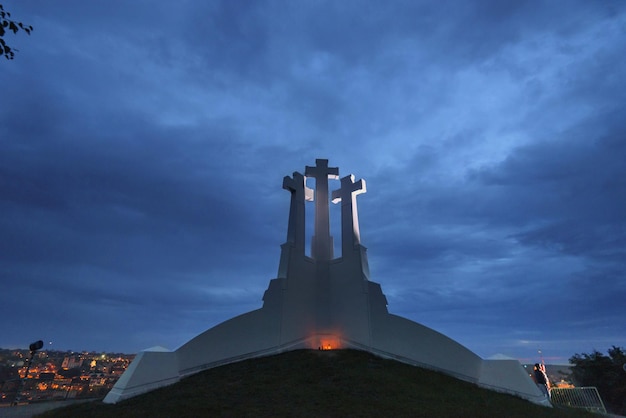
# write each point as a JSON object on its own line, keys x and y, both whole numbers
{"x": 312, "y": 383}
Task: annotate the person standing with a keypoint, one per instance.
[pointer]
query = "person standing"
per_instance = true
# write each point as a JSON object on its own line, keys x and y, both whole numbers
{"x": 541, "y": 378}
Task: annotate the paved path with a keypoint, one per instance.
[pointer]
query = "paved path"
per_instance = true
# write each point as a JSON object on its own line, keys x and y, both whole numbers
{"x": 30, "y": 410}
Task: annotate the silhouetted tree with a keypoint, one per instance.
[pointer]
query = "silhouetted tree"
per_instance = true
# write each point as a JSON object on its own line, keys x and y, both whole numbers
{"x": 7, "y": 373}
{"x": 606, "y": 373}
{"x": 6, "y": 24}
{"x": 69, "y": 373}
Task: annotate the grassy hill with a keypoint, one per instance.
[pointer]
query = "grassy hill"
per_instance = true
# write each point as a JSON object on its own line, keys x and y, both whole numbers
{"x": 312, "y": 383}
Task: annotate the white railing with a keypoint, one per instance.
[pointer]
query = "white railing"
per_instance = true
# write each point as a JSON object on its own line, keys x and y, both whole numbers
{"x": 585, "y": 398}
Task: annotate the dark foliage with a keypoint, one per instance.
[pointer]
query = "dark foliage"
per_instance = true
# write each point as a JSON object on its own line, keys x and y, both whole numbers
{"x": 6, "y": 25}
{"x": 607, "y": 373}
{"x": 7, "y": 373}
{"x": 69, "y": 373}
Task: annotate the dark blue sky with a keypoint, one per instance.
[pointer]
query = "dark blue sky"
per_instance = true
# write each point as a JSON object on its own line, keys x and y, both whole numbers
{"x": 143, "y": 146}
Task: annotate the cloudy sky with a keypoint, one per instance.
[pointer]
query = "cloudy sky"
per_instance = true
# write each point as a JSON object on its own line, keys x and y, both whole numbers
{"x": 143, "y": 146}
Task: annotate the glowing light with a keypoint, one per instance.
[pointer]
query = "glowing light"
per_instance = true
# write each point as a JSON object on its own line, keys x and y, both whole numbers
{"x": 329, "y": 343}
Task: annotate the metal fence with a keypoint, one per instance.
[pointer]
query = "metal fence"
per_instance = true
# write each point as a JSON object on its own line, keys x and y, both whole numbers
{"x": 586, "y": 398}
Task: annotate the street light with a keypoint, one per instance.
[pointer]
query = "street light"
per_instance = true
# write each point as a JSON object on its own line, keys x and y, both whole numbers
{"x": 33, "y": 349}
{"x": 35, "y": 346}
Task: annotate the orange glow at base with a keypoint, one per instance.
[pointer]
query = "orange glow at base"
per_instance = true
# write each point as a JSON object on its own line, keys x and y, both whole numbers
{"x": 329, "y": 343}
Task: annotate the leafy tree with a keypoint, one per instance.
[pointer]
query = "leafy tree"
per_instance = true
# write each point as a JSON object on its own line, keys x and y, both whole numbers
{"x": 607, "y": 373}
{"x": 6, "y": 24}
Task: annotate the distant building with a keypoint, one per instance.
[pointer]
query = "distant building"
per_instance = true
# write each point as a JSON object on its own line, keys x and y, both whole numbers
{"x": 71, "y": 362}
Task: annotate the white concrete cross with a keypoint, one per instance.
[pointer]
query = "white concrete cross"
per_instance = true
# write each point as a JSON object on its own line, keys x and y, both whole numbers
{"x": 299, "y": 193}
{"x": 350, "y": 234}
{"x": 321, "y": 249}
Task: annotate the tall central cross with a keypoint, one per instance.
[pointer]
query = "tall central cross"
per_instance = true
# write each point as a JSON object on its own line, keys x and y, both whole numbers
{"x": 321, "y": 247}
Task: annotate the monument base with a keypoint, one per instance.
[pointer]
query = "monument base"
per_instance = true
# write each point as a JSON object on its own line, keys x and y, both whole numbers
{"x": 151, "y": 369}
{"x": 322, "y": 302}
{"x": 157, "y": 367}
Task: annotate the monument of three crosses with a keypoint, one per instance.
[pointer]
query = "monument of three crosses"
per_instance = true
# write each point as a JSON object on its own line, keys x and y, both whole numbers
{"x": 322, "y": 302}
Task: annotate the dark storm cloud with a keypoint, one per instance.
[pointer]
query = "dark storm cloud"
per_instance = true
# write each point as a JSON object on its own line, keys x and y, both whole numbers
{"x": 231, "y": 37}
{"x": 560, "y": 198}
{"x": 82, "y": 211}
{"x": 144, "y": 145}
{"x": 574, "y": 184}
